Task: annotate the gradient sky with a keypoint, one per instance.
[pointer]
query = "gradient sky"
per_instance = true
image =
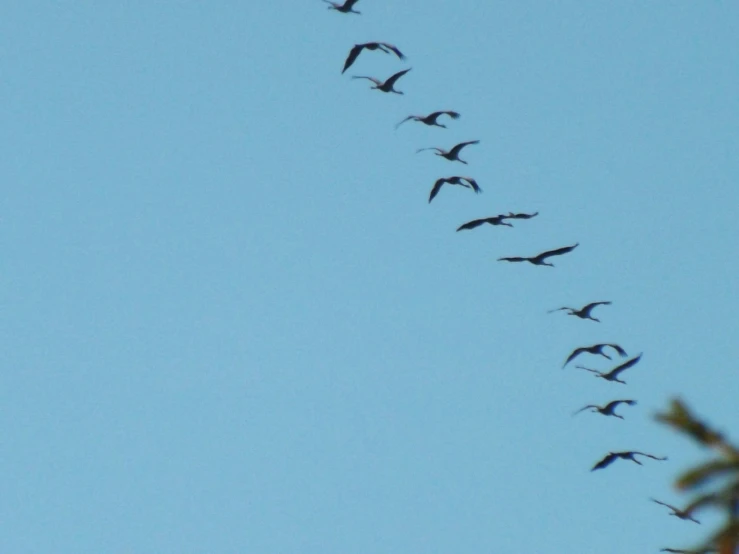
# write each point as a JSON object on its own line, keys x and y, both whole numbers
{"x": 232, "y": 323}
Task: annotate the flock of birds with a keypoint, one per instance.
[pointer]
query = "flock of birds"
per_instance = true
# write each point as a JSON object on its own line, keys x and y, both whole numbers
{"x": 585, "y": 312}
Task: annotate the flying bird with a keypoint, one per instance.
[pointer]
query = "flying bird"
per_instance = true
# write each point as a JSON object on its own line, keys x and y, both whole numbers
{"x": 346, "y": 7}
{"x": 613, "y": 374}
{"x": 511, "y": 215}
{"x": 497, "y": 220}
{"x": 608, "y": 409}
{"x": 430, "y": 119}
{"x": 387, "y": 86}
{"x": 456, "y": 180}
{"x": 539, "y": 260}
{"x": 453, "y": 154}
{"x": 357, "y": 49}
{"x": 682, "y": 514}
{"x": 613, "y": 456}
{"x": 595, "y": 349}
{"x": 584, "y": 312}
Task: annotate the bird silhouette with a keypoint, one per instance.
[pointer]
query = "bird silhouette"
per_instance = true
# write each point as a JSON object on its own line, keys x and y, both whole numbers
{"x": 430, "y": 119}
{"x": 629, "y": 455}
{"x": 357, "y": 49}
{"x": 387, "y": 86}
{"x": 346, "y": 7}
{"x": 497, "y": 220}
{"x": 584, "y": 312}
{"x": 539, "y": 259}
{"x": 511, "y": 215}
{"x": 453, "y": 154}
{"x": 608, "y": 409}
{"x": 595, "y": 349}
{"x": 682, "y": 514}
{"x": 455, "y": 180}
{"x": 613, "y": 374}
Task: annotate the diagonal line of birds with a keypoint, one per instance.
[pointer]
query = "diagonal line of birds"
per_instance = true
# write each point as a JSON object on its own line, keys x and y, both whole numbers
{"x": 584, "y": 313}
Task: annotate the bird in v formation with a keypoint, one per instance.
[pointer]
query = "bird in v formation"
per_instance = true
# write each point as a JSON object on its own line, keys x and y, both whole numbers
{"x": 608, "y": 409}
{"x": 540, "y": 259}
{"x": 358, "y": 48}
{"x": 677, "y": 512}
{"x": 596, "y": 349}
{"x": 627, "y": 455}
{"x": 613, "y": 374}
{"x": 584, "y": 312}
{"x": 346, "y": 7}
{"x": 387, "y": 85}
{"x": 453, "y": 154}
{"x": 467, "y": 182}
{"x": 431, "y": 119}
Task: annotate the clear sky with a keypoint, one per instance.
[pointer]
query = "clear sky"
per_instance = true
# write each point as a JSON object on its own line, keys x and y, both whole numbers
{"x": 232, "y": 322}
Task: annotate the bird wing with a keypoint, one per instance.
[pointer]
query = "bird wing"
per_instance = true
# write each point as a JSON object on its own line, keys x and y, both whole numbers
{"x": 624, "y": 366}
{"x": 472, "y": 224}
{"x": 394, "y": 49}
{"x": 433, "y": 116}
{"x": 559, "y": 309}
{"x": 430, "y": 148}
{"x": 353, "y": 53}
{"x": 513, "y": 259}
{"x": 612, "y": 405}
{"x": 605, "y": 462}
{"x": 574, "y": 354}
{"x": 391, "y": 81}
{"x": 454, "y": 151}
{"x": 587, "y": 309}
{"x": 406, "y": 119}
{"x": 435, "y": 190}
{"x": 617, "y": 348}
{"x": 474, "y": 184}
{"x": 376, "y": 81}
{"x": 557, "y": 252}
{"x": 349, "y": 4}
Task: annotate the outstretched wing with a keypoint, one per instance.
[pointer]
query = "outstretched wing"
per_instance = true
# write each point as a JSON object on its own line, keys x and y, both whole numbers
{"x": 391, "y": 81}
{"x": 406, "y": 119}
{"x": 612, "y": 405}
{"x": 624, "y": 366}
{"x": 437, "y": 187}
{"x": 557, "y": 252}
{"x": 349, "y": 4}
{"x": 473, "y": 183}
{"x": 472, "y": 224}
{"x": 513, "y": 259}
{"x": 430, "y": 148}
{"x": 559, "y": 309}
{"x": 353, "y": 53}
{"x": 394, "y": 49}
{"x": 574, "y": 354}
{"x": 605, "y": 462}
{"x": 435, "y": 115}
{"x": 617, "y": 348}
{"x": 587, "y": 309}
{"x": 455, "y": 151}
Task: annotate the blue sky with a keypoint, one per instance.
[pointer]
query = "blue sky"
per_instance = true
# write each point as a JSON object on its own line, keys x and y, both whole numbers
{"x": 231, "y": 321}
